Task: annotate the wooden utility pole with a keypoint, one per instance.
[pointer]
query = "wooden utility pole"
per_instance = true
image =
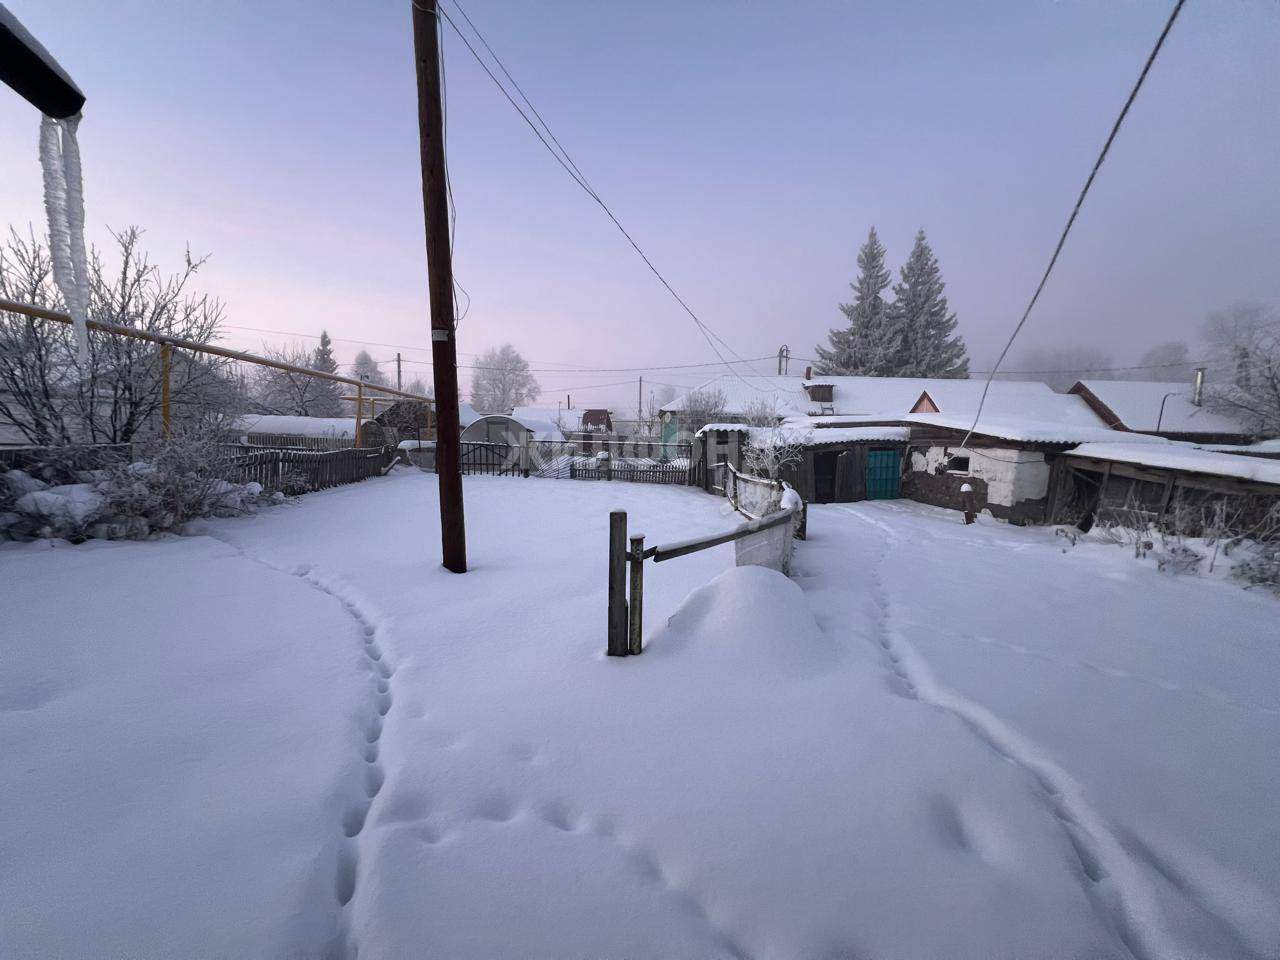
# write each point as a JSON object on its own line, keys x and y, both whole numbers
{"x": 399, "y": 385}
{"x": 639, "y": 403}
{"x": 444, "y": 349}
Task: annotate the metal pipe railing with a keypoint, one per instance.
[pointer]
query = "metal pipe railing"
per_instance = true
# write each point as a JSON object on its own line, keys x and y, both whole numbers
{"x": 41, "y": 313}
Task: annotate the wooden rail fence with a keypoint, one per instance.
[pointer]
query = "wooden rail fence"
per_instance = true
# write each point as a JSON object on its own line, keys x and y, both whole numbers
{"x": 626, "y": 615}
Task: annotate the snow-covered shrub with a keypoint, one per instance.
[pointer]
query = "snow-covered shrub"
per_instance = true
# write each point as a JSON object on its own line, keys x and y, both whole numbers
{"x": 173, "y": 481}
{"x": 772, "y": 449}
{"x": 1261, "y": 567}
{"x": 1201, "y": 533}
{"x": 294, "y": 483}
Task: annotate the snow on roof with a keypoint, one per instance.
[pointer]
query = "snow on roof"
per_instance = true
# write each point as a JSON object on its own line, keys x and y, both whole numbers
{"x": 1028, "y": 430}
{"x": 893, "y": 397}
{"x": 295, "y": 426}
{"x": 823, "y": 435}
{"x": 810, "y": 434}
{"x": 568, "y": 419}
{"x": 540, "y": 429}
{"x": 1137, "y": 405}
{"x": 732, "y": 427}
{"x": 467, "y": 414}
{"x": 1261, "y": 447}
{"x": 1183, "y": 456}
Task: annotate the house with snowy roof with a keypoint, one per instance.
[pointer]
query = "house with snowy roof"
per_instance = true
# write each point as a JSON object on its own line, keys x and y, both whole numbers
{"x": 888, "y": 437}
{"x": 1170, "y": 410}
{"x": 1025, "y": 453}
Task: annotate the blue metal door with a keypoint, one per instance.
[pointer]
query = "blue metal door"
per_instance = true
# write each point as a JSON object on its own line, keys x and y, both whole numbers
{"x": 884, "y": 474}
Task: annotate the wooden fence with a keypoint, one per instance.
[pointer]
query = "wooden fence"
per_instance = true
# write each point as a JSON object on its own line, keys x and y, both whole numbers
{"x": 293, "y": 441}
{"x": 632, "y": 471}
{"x": 297, "y": 471}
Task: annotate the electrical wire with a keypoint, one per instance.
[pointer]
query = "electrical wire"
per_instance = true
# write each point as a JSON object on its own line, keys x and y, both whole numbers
{"x": 572, "y": 370}
{"x": 1097, "y": 165}
{"x": 570, "y": 168}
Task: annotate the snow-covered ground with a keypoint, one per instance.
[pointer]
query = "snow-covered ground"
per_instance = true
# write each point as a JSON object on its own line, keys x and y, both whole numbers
{"x": 298, "y": 736}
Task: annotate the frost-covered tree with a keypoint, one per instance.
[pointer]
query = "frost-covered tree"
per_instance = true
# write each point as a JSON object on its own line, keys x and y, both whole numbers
{"x": 920, "y": 322}
{"x": 1165, "y": 362}
{"x": 862, "y": 347}
{"x": 501, "y": 380}
{"x": 702, "y": 407}
{"x": 365, "y": 368}
{"x": 421, "y": 387}
{"x": 52, "y": 399}
{"x": 773, "y": 449}
{"x": 1244, "y": 380}
{"x": 761, "y": 413}
{"x": 294, "y": 394}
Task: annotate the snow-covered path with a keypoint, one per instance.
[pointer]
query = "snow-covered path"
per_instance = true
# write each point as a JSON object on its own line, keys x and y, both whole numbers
{"x": 300, "y": 736}
{"x": 1144, "y": 708}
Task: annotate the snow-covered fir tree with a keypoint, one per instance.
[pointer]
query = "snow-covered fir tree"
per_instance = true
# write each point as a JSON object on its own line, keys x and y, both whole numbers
{"x": 920, "y": 323}
{"x": 865, "y": 345}
{"x": 329, "y": 401}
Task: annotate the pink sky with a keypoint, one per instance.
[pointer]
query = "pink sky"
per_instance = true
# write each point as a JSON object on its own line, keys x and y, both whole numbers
{"x": 747, "y": 147}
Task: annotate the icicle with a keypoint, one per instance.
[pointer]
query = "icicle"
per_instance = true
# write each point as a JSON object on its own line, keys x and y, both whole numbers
{"x": 64, "y": 207}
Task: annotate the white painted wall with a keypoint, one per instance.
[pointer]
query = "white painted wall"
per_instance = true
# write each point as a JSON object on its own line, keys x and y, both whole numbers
{"x": 1011, "y": 475}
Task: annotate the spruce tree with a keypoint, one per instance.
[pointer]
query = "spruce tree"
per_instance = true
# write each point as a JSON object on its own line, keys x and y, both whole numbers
{"x": 323, "y": 358}
{"x": 920, "y": 323}
{"x": 862, "y": 347}
{"x": 329, "y": 402}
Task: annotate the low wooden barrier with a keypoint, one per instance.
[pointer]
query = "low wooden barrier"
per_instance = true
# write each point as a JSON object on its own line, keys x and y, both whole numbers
{"x": 626, "y": 614}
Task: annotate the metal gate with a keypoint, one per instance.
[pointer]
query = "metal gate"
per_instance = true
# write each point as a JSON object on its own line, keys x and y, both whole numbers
{"x": 489, "y": 458}
{"x": 601, "y": 459}
{"x": 884, "y": 474}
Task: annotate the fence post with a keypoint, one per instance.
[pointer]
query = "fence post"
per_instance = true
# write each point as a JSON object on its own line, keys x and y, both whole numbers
{"x": 359, "y": 411}
{"x": 635, "y": 605}
{"x": 164, "y": 389}
{"x": 617, "y": 642}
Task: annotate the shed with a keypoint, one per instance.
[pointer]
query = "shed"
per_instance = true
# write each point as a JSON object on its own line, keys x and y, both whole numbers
{"x": 1165, "y": 409}
{"x": 500, "y": 428}
{"x": 835, "y": 464}
{"x": 1156, "y": 478}
{"x": 1010, "y": 464}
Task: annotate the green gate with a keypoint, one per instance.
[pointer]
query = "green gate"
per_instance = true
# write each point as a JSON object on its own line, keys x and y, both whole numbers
{"x": 884, "y": 474}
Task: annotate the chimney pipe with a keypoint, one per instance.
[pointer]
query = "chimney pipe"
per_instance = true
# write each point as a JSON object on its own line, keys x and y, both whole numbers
{"x": 1197, "y": 390}
{"x": 808, "y": 373}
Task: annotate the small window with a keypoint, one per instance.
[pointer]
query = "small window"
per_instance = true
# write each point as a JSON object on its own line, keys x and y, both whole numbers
{"x": 958, "y": 465}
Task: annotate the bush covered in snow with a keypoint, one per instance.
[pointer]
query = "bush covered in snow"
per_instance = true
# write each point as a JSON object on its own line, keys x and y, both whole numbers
{"x": 1212, "y": 535}
{"x": 169, "y": 483}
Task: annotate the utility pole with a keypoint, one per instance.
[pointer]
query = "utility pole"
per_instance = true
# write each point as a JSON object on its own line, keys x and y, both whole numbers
{"x": 444, "y": 348}
{"x": 399, "y": 386}
{"x": 639, "y": 402}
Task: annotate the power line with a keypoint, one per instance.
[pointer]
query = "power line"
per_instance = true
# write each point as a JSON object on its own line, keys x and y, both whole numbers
{"x": 572, "y": 370}
{"x": 1106, "y": 147}
{"x": 570, "y": 168}
{"x": 426, "y": 349}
